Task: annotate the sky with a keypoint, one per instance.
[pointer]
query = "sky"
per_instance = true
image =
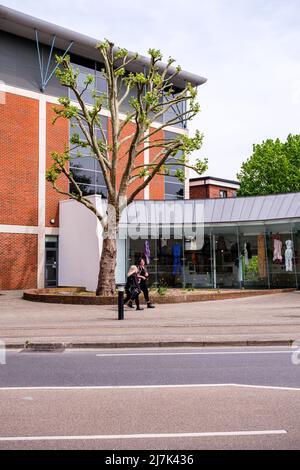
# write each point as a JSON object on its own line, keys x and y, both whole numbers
{"x": 249, "y": 51}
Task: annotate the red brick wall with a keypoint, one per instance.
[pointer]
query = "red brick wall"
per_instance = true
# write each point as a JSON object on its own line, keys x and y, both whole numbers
{"x": 214, "y": 191}
{"x": 128, "y": 130}
{"x": 198, "y": 192}
{"x": 18, "y": 261}
{"x": 57, "y": 137}
{"x": 19, "y": 157}
{"x": 157, "y": 185}
{"x": 209, "y": 191}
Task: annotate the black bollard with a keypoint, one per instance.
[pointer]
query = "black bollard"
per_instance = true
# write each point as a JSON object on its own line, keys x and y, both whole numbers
{"x": 120, "y": 302}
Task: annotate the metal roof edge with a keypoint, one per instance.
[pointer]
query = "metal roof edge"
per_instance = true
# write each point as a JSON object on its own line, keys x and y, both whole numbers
{"x": 17, "y": 17}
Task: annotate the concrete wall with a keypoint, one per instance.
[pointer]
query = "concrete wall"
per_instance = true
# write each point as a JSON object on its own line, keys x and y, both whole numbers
{"x": 80, "y": 245}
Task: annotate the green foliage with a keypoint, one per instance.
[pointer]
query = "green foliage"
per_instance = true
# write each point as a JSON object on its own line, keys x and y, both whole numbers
{"x": 273, "y": 168}
{"x": 162, "y": 290}
{"x": 251, "y": 271}
{"x": 121, "y": 54}
{"x": 155, "y": 54}
{"x": 180, "y": 175}
{"x": 60, "y": 161}
{"x": 149, "y": 94}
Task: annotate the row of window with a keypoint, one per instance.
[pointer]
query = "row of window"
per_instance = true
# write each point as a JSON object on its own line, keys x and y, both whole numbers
{"x": 174, "y": 189}
{"x": 87, "y": 172}
{"x": 100, "y": 86}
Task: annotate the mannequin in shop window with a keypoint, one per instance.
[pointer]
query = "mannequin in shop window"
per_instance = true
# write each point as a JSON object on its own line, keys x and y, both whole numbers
{"x": 147, "y": 252}
{"x": 177, "y": 259}
{"x": 234, "y": 249}
{"x": 164, "y": 251}
{"x": 277, "y": 248}
{"x": 221, "y": 244}
{"x": 247, "y": 253}
{"x": 289, "y": 256}
{"x": 206, "y": 254}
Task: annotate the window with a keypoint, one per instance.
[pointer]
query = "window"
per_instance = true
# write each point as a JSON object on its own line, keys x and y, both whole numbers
{"x": 86, "y": 168}
{"x": 223, "y": 194}
{"x": 99, "y": 86}
{"x": 174, "y": 189}
{"x": 175, "y": 110}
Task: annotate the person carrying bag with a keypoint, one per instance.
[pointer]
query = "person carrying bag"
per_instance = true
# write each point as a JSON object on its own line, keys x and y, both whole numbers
{"x": 132, "y": 287}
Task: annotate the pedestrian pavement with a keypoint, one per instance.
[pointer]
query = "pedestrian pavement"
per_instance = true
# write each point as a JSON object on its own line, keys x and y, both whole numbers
{"x": 263, "y": 320}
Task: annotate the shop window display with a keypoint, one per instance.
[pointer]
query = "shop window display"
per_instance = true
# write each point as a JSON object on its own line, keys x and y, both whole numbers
{"x": 249, "y": 256}
{"x": 253, "y": 264}
{"x": 282, "y": 255}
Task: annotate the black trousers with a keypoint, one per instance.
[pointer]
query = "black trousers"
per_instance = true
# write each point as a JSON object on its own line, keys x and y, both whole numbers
{"x": 134, "y": 297}
{"x": 145, "y": 291}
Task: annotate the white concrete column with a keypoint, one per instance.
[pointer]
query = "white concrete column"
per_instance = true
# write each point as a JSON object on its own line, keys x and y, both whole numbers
{"x": 42, "y": 192}
{"x": 146, "y": 162}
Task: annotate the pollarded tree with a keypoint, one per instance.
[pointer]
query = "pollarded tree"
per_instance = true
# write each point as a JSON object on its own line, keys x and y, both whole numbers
{"x": 152, "y": 95}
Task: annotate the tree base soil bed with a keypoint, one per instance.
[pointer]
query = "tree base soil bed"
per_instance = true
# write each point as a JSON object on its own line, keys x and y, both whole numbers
{"x": 80, "y": 296}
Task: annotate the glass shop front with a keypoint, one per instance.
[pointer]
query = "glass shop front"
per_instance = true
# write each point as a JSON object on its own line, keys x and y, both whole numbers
{"x": 249, "y": 255}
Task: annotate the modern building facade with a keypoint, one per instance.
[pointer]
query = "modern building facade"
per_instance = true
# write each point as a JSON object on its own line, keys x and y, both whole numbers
{"x": 47, "y": 240}
{"x": 209, "y": 187}
{"x": 251, "y": 242}
{"x": 29, "y": 207}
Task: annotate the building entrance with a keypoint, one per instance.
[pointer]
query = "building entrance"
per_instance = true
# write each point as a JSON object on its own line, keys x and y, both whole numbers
{"x": 51, "y": 265}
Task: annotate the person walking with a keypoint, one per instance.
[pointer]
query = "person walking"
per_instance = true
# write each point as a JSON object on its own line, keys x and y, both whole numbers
{"x": 132, "y": 288}
{"x": 143, "y": 276}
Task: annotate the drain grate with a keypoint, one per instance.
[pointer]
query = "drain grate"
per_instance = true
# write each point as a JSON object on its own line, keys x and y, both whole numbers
{"x": 46, "y": 348}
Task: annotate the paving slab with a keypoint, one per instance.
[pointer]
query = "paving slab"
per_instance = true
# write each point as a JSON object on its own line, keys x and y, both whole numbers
{"x": 272, "y": 319}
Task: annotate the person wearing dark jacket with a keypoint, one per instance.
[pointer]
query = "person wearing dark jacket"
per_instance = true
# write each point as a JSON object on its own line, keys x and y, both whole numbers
{"x": 132, "y": 288}
{"x": 143, "y": 276}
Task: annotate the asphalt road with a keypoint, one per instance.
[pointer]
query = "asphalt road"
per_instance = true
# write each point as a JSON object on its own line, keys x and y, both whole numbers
{"x": 151, "y": 399}
{"x": 267, "y": 366}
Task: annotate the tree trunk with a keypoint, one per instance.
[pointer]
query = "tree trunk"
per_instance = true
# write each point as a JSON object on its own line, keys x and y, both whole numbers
{"x": 106, "y": 279}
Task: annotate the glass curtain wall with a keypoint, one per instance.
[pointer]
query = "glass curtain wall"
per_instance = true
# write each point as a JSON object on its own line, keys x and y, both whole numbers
{"x": 253, "y": 256}
{"x": 85, "y": 167}
{"x": 296, "y": 239}
{"x": 253, "y": 260}
{"x": 283, "y": 254}
{"x": 174, "y": 189}
{"x": 175, "y": 111}
{"x": 226, "y": 258}
{"x": 199, "y": 267}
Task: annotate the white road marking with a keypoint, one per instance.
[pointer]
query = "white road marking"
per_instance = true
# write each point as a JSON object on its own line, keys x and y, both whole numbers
{"x": 114, "y": 387}
{"x": 142, "y": 436}
{"x": 210, "y": 353}
{"x": 137, "y": 387}
{"x": 267, "y": 387}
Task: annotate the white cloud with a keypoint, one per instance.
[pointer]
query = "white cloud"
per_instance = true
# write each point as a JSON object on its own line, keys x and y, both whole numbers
{"x": 248, "y": 49}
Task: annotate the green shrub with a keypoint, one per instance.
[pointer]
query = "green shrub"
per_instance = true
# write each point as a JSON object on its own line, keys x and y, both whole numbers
{"x": 251, "y": 271}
